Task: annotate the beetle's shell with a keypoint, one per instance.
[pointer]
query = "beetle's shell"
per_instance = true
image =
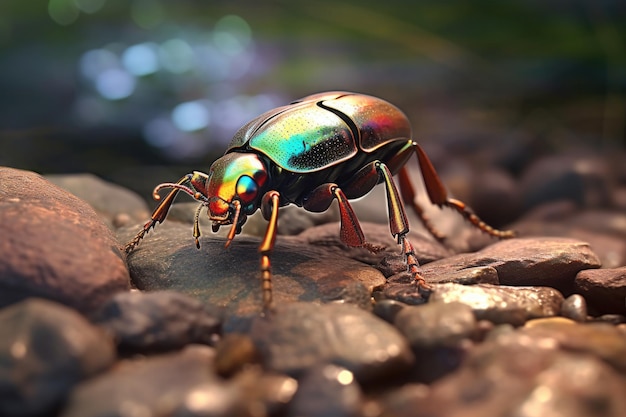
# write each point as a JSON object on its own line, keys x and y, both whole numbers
{"x": 323, "y": 130}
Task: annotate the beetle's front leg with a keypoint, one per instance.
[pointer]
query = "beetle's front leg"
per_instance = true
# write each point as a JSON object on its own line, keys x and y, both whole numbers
{"x": 159, "y": 214}
{"x": 399, "y": 227}
{"x": 269, "y": 210}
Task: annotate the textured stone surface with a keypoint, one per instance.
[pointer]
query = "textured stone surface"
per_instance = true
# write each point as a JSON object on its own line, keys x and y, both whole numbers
{"x": 158, "y": 321}
{"x": 526, "y": 261}
{"x": 605, "y": 289}
{"x": 59, "y": 248}
{"x": 168, "y": 259}
{"x": 114, "y": 203}
{"x": 154, "y": 386}
{"x": 45, "y": 350}
{"x": 299, "y": 336}
{"x": 502, "y": 304}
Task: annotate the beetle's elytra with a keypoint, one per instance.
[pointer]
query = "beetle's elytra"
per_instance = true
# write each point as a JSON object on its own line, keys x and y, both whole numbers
{"x": 324, "y": 147}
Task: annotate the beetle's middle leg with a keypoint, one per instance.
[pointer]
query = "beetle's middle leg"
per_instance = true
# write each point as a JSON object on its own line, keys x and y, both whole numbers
{"x": 351, "y": 233}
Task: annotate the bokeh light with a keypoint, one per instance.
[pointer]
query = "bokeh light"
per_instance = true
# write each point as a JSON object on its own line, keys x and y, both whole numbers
{"x": 191, "y": 116}
{"x": 141, "y": 59}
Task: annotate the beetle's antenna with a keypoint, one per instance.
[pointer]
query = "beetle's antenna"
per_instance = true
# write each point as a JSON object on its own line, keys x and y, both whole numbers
{"x": 196, "y": 195}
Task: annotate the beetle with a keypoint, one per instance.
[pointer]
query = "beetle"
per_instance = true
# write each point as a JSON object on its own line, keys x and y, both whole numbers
{"x": 324, "y": 147}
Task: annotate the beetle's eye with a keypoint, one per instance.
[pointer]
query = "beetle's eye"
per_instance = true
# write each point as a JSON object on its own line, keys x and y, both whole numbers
{"x": 247, "y": 189}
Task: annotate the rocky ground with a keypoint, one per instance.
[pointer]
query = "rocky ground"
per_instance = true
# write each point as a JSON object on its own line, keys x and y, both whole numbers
{"x": 532, "y": 326}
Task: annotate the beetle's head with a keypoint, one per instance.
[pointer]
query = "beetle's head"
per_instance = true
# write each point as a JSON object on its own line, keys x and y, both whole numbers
{"x": 234, "y": 188}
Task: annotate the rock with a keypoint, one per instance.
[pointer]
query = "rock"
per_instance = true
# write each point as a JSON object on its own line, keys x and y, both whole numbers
{"x": 60, "y": 249}
{"x": 154, "y": 386}
{"x": 168, "y": 259}
{"x": 45, "y": 350}
{"x": 495, "y": 196}
{"x": 327, "y": 236}
{"x": 583, "y": 180}
{"x": 552, "y": 262}
{"x": 502, "y": 304}
{"x": 436, "y": 324}
{"x": 158, "y": 321}
{"x": 327, "y": 390}
{"x": 388, "y": 309}
{"x": 599, "y": 228}
{"x": 300, "y": 336}
{"x": 234, "y": 352}
{"x": 575, "y": 307}
{"x": 108, "y": 199}
{"x": 437, "y": 333}
{"x": 521, "y": 374}
{"x": 602, "y": 340}
{"x": 575, "y": 386}
{"x": 604, "y": 289}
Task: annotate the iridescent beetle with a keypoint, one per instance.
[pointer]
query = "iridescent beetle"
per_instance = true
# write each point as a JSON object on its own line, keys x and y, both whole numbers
{"x": 324, "y": 147}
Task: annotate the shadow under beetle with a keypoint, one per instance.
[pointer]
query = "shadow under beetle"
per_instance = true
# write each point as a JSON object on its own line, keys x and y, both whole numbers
{"x": 327, "y": 146}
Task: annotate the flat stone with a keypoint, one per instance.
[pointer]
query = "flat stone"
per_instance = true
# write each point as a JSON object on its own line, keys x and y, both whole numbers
{"x": 230, "y": 277}
{"x": 60, "y": 248}
{"x": 327, "y": 236}
{"x": 301, "y": 336}
{"x": 604, "y": 289}
{"x": 610, "y": 248}
{"x": 45, "y": 350}
{"x": 538, "y": 261}
{"x": 502, "y": 304}
{"x": 158, "y": 321}
{"x": 154, "y": 386}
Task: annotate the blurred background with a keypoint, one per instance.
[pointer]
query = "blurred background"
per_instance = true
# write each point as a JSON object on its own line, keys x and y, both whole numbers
{"x": 143, "y": 91}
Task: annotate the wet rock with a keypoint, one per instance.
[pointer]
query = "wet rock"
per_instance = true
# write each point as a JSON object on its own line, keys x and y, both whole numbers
{"x": 108, "y": 199}
{"x": 158, "y": 321}
{"x": 604, "y": 289}
{"x": 328, "y": 390}
{"x": 575, "y": 307}
{"x": 502, "y": 304}
{"x": 45, "y": 350}
{"x": 300, "y": 336}
{"x": 60, "y": 249}
{"x": 168, "y": 259}
{"x": 154, "y": 386}
{"x": 538, "y": 261}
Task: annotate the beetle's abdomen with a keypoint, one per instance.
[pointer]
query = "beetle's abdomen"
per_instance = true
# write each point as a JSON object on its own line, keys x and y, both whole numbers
{"x": 377, "y": 121}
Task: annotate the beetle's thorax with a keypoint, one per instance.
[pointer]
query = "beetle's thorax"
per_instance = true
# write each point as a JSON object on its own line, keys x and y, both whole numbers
{"x": 236, "y": 184}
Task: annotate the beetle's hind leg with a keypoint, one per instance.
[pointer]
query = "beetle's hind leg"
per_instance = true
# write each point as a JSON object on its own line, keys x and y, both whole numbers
{"x": 438, "y": 195}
